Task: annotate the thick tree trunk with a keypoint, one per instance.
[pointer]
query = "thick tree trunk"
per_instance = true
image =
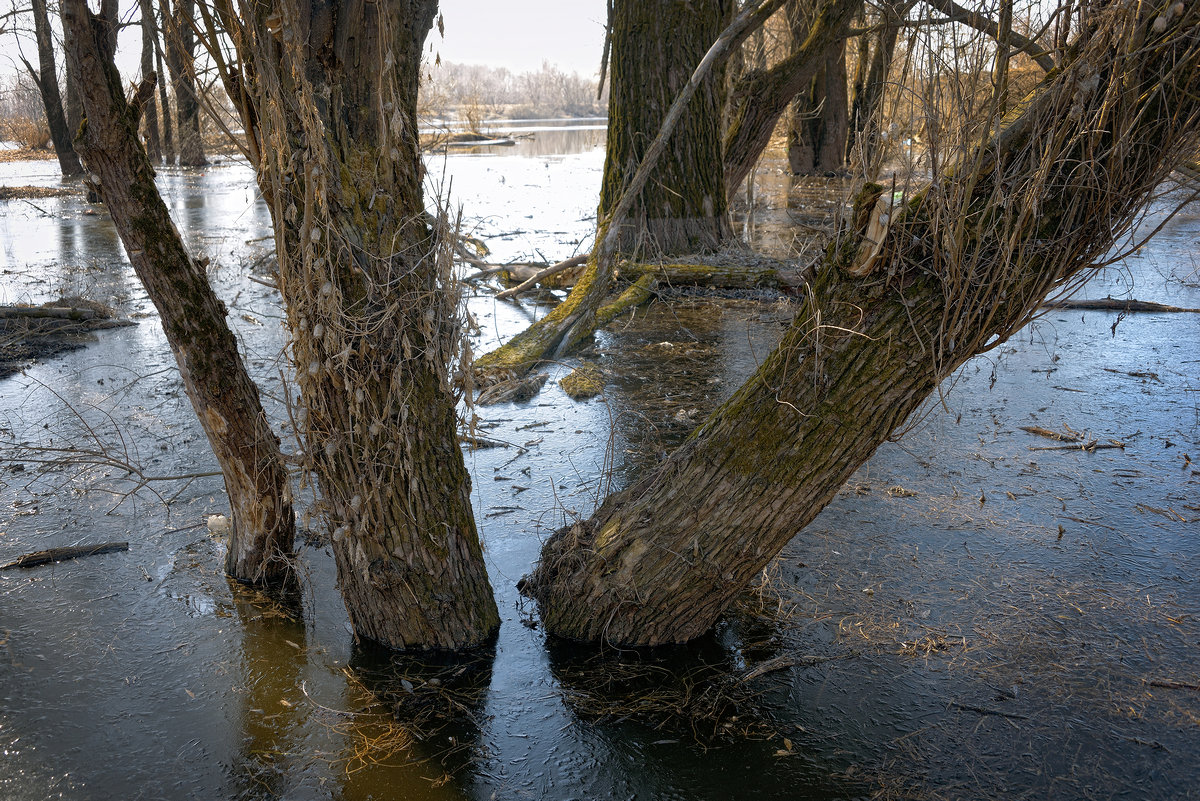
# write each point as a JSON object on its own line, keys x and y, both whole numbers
{"x": 961, "y": 268}
{"x": 762, "y": 96}
{"x": 655, "y": 47}
{"x": 214, "y": 377}
{"x": 181, "y": 59}
{"x": 46, "y": 78}
{"x": 373, "y": 310}
{"x": 150, "y": 110}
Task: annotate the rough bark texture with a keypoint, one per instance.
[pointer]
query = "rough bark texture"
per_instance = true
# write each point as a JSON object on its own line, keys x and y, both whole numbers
{"x": 46, "y": 78}
{"x": 372, "y": 308}
{"x": 655, "y": 47}
{"x": 964, "y": 267}
{"x": 762, "y": 96}
{"x": 150, "y": 109}
{"x": 181, "y": 58}
{"x": 214, "y": 377}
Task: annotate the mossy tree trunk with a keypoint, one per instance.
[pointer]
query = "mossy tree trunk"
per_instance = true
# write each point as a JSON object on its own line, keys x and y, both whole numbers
{"x": 761, "y": 97}
{"x": 963, "y": 267}
{"x": 193, "y": 318}
{"x": 46, "y": 78}
{"x": 656, "y": 44}
{"x": 329, "y": 101}
{"x": 181, "y": 63}
{"x": 164, "y": 102}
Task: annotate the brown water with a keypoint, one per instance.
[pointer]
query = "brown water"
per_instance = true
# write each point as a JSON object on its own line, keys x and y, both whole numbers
{"x": 970, "y": 618}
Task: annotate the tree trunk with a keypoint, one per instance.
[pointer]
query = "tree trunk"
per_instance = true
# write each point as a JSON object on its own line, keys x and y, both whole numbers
{"x": 46, "y": 78}
{"x": 963, "y": 267}
{"x": 655, "y": 47}
{"x": 150, "y": 110}
{"x": 168, "y": 132}
{"x": 214, "y": 377}
{"x": 863, "y": 147}
{"x": 372, "y": 307}
{"x": 181, "y": 60}
{"x": 820, "y": 119}
{"x": 762, "y": 96}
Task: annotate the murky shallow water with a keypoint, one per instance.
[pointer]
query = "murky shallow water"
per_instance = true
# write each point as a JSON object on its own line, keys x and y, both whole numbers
{"x": 970, "y": 618}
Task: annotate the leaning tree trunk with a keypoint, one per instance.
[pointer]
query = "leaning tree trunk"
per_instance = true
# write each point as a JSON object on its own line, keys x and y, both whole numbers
{"x": 150, "y": 110}
{"x": 760, "y": 98}
{"x": 181, "y": 63}
{"x": 372, "y": 306}
{"x": 46, "y": 78}
{"x": 963, "y": 267}
{"x": 214, "y": 377}
{"x": 655, "y": 47}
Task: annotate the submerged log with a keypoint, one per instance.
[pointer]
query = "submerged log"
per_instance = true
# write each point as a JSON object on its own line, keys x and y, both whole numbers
{"x": 62, "y": 554}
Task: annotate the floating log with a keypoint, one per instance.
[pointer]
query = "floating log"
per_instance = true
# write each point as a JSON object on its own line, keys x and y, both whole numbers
{"x": 62, "y": 554}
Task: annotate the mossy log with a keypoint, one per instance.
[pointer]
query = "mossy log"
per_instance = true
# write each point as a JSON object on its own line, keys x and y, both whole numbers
{"x": 715, "y": 276}
{"x": 966, "y": 267}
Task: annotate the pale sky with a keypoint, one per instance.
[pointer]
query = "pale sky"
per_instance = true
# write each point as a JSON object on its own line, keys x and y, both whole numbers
{"x": 520, "y": 34}
{"x": 517, "y": 34}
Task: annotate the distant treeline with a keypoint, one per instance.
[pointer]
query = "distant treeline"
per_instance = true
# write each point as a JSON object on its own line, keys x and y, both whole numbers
{"x": 475, "y": 92}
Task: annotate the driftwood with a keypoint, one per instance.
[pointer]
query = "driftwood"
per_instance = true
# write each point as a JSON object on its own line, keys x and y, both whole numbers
{"x": 62, "y": 554}
{"x": 1117, "y": 304}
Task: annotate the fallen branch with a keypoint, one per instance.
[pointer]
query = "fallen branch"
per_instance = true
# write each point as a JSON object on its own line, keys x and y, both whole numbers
{"x": 1116, "y": 304}
{"x": 1094, "y": 445}
{"x": 62, "y": 554}
{"x": 553, "y": 269}
{"x": 982, "y": 710}
{"x": 1070, "y": 436}
{"x": 1170, "y": 684}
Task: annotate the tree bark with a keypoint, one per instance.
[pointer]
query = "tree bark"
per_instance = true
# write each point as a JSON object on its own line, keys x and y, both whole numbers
{"x": 655, "y": 47}
{"x": 762, "y": 96}
{"x": 46, "y": 78}
{"x": 150, "y": 109}
{"x": 863, "y": 147}
{"x": 181, "y": 60}
{"x": 372, "y": 307}
{"x": 168, "y": 128}
{"x": 963, "y": 267}
{"x": 819, "y": 123}
{"x": 193, "y": 318}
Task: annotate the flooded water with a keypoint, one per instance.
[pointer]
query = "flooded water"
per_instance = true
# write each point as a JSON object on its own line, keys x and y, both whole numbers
{"x": 974, "y": 616}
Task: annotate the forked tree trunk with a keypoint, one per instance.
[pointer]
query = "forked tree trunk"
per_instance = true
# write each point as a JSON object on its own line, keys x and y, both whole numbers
{"x": 760, "y": 98}
{"x": 961, "y": 269}
{"x": 864, "y": 144}
{"x": 655, "y": 47}
{"x": 372, "y": 306}
{"x": 150, "y": 110}
{"x": 193, "y": 318}
{"x": 819, "y": 125}
{"x": 181, "y": 60}
{"x": 46, "y": 78}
